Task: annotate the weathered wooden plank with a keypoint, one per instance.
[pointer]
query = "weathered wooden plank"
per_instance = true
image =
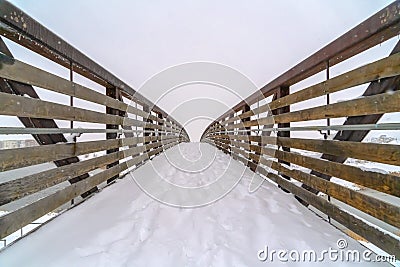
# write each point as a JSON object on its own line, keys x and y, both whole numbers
{"x": 21, "y": 217}
{"x": 379, "y": 209}
{"x": 27, "y": 107}
{"x": 386, "y": 183}
{"x": 167, "y": 129}
{"x": 226, "y": 151}
{"x": 222, "y": 145}
{"x": 227, "y": 148}
{"x": 162, "y": 148}
{"x": 155, "y": 145}
{"x": 382, "y": 240}
{"x": 12, "y": 87}
{"x": 221, "y": 136}
{"x": 376, "y": 87}
{"x": 13, "y": 221}
{"x": 22, "y": 157}
{"x": 16, "y": 70}
{"x": 360, "y": 227}
{"x": 18, "y": 188}
{"x": 377, "y": 104}
{"x": 383, "y": 153}
{"x": 387, "y": 67}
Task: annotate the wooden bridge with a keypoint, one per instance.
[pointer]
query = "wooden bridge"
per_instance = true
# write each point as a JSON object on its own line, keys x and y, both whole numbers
{"x": 259, "y": 131}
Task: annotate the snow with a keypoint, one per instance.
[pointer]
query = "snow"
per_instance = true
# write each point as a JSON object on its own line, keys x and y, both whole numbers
{"x": 71, "y": 138}
{"x": 123, "y": 226}
{"x": 373, "y": 166}
{"x": 345, "y": 183}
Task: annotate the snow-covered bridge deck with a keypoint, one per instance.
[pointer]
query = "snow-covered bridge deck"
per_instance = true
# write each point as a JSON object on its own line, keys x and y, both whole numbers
{"x": 123, "y": 226}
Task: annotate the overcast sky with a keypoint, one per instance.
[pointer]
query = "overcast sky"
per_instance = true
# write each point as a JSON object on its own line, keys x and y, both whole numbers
{"x": 261, "y": 39}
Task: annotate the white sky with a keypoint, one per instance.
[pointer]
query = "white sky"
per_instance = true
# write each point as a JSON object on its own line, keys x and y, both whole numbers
{"x": 137, "y": 39}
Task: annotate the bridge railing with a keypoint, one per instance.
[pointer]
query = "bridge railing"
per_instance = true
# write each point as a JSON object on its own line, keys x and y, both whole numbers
{"x": 133, "y": 129}
{"x": 259, "y": 132}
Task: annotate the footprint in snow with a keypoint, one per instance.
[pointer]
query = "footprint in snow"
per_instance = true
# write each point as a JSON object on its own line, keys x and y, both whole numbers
{"x": 294, "y": 209}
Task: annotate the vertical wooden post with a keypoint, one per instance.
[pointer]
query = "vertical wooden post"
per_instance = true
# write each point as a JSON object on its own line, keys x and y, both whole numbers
{"x": 113, "y": 92}
{"x": 245, "y": 109}
{"x": 256, "y": 162}
{"x": 281, "y": 92}
{"x": 229, "y": 124}
{"x": 328, "y": 98}
{"x": 147, "y": 133}
{"x": 328, "y": 120}
{"x": 71, "y": 103}
{"x": 160, "y": 132}
{"x": 248, "y": 133}
{"x": 146, "y": 109}
{"x": 71, "y": 98}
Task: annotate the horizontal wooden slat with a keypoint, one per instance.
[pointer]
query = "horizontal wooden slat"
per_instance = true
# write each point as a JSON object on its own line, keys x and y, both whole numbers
{"x": 222, "y": 148}
{"x": 223, "y": 143}
{"x": 21, "y": 106}
{"x": 386, "y": 183}
{"x": 360, "y": 227}
{"x": 18, "y": 188}
{"x": 247, "y": 114}
{"x": 22, "y": 157}
{"x": 170, "y": 130}
{"x": 383, "y": 153}
{"x": 387, "y": 67}
{"x": 16, "y": 70}
{"x": 13, "y": 221}
{"x": 21, "y": 217}
{"x": 160, "y": 149}
{"x": 161, "y": 143}
{"x": 379, "y": 209}
{"x": 376, "y": 104}
{"x": 384, "y": 68}
{"x": 129, "y": 130}
{"x": 28, "y": 107}
{"x": 382, "y": 240}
